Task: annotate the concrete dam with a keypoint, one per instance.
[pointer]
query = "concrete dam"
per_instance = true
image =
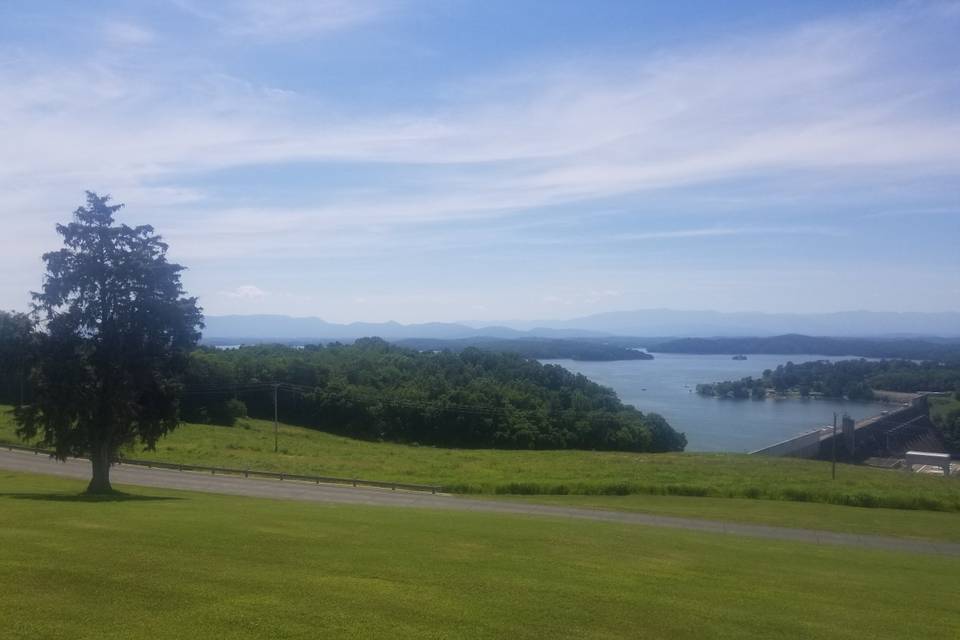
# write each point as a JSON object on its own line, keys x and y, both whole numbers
{"x": 889, "y": 435}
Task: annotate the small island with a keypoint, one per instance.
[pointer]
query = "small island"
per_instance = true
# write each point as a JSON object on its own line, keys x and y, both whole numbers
{"x": 739, "y": 356}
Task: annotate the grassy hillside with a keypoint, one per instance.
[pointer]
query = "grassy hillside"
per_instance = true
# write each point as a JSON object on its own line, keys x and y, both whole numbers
{"x": 206, "y": 566}
{"x": 250, "y": 445}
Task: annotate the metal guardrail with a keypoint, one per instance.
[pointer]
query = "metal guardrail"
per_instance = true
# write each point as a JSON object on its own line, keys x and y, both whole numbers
{"x": 246, "y": 473}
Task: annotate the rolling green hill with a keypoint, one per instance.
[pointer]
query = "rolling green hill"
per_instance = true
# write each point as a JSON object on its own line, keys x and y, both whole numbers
{"x": 378, "y": 391}
{"x": 496, "y": 471}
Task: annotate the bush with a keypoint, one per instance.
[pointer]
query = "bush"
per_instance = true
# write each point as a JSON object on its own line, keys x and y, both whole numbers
{"x": 227, "y": 412}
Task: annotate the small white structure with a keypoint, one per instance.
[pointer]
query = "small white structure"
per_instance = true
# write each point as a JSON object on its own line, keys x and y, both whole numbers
{"x": 941, "y": 460}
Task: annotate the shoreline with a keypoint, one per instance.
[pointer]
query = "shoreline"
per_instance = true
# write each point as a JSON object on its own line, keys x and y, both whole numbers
{"x": 880, "y": 397}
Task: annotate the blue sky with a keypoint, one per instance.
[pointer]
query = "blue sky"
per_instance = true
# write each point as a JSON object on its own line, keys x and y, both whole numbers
{"x": 495, "y": 161}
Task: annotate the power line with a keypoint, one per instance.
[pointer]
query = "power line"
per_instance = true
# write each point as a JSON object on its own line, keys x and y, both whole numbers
{"x": 222, "y": 392}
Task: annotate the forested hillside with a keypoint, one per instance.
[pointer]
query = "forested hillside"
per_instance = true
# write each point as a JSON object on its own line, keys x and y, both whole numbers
{"x": 853, "y": 379}
{"x": 375, "y": 390}
{"x": 372, "y": 389}
{"x": 909, "y": 348}
{"x": 538, "y": 348}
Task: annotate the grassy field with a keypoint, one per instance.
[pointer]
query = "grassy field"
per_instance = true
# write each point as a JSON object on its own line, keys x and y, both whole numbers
{"x": 164, "y": 564}
{"x": 304, "y": 451}
{"x": 927, "y": 525}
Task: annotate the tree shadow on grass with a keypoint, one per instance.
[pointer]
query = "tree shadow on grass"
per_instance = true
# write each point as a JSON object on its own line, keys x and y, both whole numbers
{"x": 116, "y": 496}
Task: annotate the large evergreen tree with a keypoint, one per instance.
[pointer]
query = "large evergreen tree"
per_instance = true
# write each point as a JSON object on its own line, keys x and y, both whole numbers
{"x": 116, "y": 331}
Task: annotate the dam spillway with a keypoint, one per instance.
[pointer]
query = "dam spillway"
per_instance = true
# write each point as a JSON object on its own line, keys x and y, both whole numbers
{"x": 888, "y": 435}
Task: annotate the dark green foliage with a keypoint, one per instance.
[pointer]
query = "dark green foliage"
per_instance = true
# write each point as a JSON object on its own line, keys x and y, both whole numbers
{"x": 951, "y": 430}
{"x": 117, "y": 332}
{"x": 912, "y": 376}
{"x": 538, "y": 348}
{"x": 853, "y": 379}
{"x": 218, "y": 407}
{"x": 945, "y": 414}
{"x": 909, "y": 348}
{"x": 474, "y": 398}
{"x": 223, "y": 413}
{"x": 16, "y": 340}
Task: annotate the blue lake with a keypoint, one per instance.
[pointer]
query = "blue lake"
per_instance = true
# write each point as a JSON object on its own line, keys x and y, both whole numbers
{"x": 666, "y": 385}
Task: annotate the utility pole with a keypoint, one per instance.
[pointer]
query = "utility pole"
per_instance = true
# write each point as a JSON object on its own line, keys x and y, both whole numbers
{"x": 276, "y": 428}
{"x": 834, "y": 447}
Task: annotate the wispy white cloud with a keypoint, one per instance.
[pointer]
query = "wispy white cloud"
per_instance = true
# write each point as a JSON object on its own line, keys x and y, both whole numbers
{"x": 246, "y": 291}
{"x": 715, "y": 232}
{"x": 911, "y": 212}
{"x": 832, "y": 100}
{"x": 819, "y": 98}
{"x": 285, "y": 19}
{"x": 127, "y": 33}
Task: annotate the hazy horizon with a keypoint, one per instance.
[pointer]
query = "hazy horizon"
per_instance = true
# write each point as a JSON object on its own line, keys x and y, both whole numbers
{"x": 428, "y": 161}
{"x": 648, "y": 323}
{"x": 524, "y": 322}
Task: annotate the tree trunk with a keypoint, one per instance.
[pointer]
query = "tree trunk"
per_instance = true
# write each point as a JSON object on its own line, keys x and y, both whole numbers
{"x": 100, "y": 458}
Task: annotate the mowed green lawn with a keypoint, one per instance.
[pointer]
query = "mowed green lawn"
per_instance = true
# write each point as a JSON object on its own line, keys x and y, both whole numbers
{"x": 165, "y": 564}
{"x": 306, "y": 451}
{"x": 926, "y": 525}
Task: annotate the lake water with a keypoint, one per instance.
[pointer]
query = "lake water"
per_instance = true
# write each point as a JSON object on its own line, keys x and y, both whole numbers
{"x": 666, "y": 385}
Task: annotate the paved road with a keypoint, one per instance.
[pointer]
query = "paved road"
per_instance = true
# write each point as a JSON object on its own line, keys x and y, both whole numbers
{"x": 292, "y": 490}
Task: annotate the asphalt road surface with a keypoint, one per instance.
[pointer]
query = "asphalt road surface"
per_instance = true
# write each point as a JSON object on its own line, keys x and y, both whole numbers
{"x": 329, "y": 493}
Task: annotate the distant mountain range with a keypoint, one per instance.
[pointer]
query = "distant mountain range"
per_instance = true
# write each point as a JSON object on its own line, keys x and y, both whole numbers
{"x": 259, "y": 328}
{"x": 668, "y": 322}
{"x": 647, "y": 322}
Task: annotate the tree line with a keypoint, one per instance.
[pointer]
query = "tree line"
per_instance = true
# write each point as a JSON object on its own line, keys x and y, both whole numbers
{"x": 851, "y": 379}
{"x": 378, "y": 391}
{"x": 934, "y": 349}
{"x": 538, "y": 348}
{"x": 375, "y": 390}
